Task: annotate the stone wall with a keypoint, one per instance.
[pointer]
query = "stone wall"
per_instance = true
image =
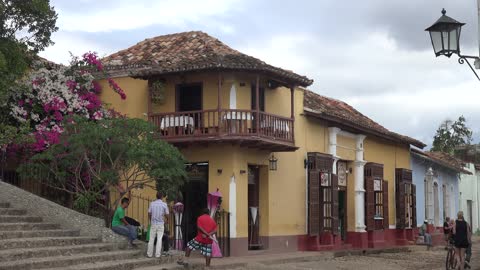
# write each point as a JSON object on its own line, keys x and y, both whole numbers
{"x": 54, "y": 213}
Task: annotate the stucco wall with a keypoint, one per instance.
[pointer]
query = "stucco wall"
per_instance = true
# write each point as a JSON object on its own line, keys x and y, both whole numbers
{"x": 283, "y": 192}
{"x": 445, "y": 177}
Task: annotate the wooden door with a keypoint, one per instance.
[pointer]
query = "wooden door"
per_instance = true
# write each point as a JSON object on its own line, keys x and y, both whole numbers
{"x": 253, "y": 207}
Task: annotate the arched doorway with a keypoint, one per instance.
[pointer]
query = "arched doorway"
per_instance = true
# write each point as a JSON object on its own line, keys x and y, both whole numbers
{"x": 436, "y": 216}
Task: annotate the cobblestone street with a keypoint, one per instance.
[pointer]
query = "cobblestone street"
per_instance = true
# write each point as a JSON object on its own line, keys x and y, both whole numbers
{"x": 418, "y": 258}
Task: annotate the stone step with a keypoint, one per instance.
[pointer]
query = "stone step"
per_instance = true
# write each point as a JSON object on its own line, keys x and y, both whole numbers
{"x": 46, "y": 242}
{"x": 12, "y": 211}
{"x": 4, "y": 205}
{"x": 44, "y": 233}
{"x": 28, "y": 253}
{"x": 70, "y": 261}
{"x": 25, "y": 226}
{"x": 16, "y": 219}
{"x": 127, "y": 264}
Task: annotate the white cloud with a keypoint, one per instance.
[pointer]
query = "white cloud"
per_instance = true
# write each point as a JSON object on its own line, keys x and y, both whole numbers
{"x": 373, "y": 55}
{"x": 66, "y": 42}
{"x": 128, "y": 15}
{"x": 410, "y": 92}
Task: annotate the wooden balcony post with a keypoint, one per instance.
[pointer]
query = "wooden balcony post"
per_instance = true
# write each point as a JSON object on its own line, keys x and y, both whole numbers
{"x": 292, "y": 102}
{"x": 219, "y": 101}
{"x": 257, "y": 105}
{"x": 292, "y": 109}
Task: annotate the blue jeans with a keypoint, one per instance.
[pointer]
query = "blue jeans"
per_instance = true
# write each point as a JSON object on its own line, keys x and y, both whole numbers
{"x": 428, "y": 239}
{"x": 126, "y": 230}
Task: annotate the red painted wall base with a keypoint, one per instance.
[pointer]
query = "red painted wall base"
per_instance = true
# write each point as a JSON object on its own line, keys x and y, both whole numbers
{"x": 365, "y": 240}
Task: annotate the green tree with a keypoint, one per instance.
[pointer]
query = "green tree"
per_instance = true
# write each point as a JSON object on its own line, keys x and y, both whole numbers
{"x": 26, "y": 27}
{"x": 451, "y": 134}
{"x": 93, "y": 158}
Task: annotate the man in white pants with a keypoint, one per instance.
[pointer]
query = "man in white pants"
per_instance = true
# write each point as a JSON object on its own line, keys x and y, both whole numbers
{"x": 156, "y": 215}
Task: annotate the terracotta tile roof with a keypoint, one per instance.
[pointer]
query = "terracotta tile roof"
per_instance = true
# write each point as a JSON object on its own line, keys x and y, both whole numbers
{"x": 39, "y": 62}
{"x": 190, "y": 51}
{"x": 444, "y": 159}
{"x": 338, "y": 111}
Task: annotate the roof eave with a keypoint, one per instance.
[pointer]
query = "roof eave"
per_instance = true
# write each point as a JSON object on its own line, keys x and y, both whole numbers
{"x": 314, "y": 113}
{"x": 139, "y": 71}
{"x": 440, "y": 162}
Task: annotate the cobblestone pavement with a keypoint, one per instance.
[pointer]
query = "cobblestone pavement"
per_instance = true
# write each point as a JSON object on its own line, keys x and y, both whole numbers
{"x": 417, "y": 259}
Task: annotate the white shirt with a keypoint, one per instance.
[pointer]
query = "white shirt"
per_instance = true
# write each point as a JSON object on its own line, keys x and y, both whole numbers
{"x": 158, "y": 209}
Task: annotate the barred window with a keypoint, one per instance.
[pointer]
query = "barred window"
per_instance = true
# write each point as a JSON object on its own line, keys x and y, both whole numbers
{"x": 326, "y": 187}
{"x": 408, "y": 205}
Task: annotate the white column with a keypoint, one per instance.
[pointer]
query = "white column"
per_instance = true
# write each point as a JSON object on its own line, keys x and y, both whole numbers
{"x": 232, "y": 204}
{"x": 332, "y": 146}
{"x": 334, "y": 169}
{"x": 332, "y": 140}
{"x": 429, "y": 196}
{"x": 359, "y": 185}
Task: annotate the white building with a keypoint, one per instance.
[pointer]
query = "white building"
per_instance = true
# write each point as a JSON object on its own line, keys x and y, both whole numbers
{"x": 469, "y": 195}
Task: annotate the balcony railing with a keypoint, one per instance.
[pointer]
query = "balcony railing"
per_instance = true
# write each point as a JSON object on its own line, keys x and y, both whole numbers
{"x": 226, "y": 122}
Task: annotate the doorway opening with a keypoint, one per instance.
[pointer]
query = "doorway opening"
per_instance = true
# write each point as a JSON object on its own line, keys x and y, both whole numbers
{"x": 253, "y": 208}
{"x": 469, "y": 212}
{"x": 342, "y": 213}
{"x": 261, "y": 100}
{"x": 189, "y": 99}
{"x": 194, "y": 193}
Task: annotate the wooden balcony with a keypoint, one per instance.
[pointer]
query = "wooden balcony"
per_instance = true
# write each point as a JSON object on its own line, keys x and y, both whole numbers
{"x": 248, "y": 128}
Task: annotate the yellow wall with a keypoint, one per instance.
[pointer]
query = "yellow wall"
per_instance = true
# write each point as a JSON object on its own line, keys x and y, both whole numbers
{"x": 136, "y": 103}
{"x": 276, "y": 100}
{"x": 391, "y": 156}
{"x": 283, "y": 192}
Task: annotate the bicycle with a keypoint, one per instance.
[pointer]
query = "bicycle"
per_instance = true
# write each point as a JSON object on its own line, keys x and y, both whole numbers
{"x": 451, "y": 261}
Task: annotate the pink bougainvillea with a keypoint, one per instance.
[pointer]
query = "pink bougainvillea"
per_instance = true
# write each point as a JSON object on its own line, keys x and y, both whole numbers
{"x": 51, "y": 94}
{"x": 117, "y": 88}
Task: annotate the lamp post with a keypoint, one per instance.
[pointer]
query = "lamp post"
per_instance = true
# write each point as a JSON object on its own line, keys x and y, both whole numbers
{"x": 445, "y": 37}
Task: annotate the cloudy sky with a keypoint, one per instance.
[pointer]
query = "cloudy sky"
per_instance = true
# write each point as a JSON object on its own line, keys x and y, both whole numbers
{"x": 373, "y": 54}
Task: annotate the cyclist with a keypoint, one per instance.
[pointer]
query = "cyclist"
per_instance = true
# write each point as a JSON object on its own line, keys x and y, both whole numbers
{"x": 461, "y": 237}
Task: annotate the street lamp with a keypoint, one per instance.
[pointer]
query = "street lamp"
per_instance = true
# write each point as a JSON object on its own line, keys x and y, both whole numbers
{"x": 272, "y": 163}
{"x": 445, "y": 37}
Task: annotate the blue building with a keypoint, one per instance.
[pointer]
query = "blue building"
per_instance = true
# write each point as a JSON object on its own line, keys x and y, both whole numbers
{"x": 436, "y": 176}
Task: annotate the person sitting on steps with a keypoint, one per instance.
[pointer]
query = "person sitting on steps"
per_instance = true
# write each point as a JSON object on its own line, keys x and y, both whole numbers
{"x": 120, "y": 224}
{"x": 427, "y": 238}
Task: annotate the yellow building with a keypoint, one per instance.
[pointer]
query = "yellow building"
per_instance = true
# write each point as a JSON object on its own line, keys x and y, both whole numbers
{"x": 231, "y": 115}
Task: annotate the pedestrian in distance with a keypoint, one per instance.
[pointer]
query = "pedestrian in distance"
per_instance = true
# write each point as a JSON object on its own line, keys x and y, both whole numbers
{"x": 157, "y": 213}
{"x": 427, "y": 238}
{"x": 446, "y": 231}
{"x": 203, "y": 241}
{"x": 462, "y": 237}
{"x": 121, "y": 226}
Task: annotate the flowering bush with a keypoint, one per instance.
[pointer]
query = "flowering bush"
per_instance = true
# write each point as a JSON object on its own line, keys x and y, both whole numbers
{"x": 47, "y": 96}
